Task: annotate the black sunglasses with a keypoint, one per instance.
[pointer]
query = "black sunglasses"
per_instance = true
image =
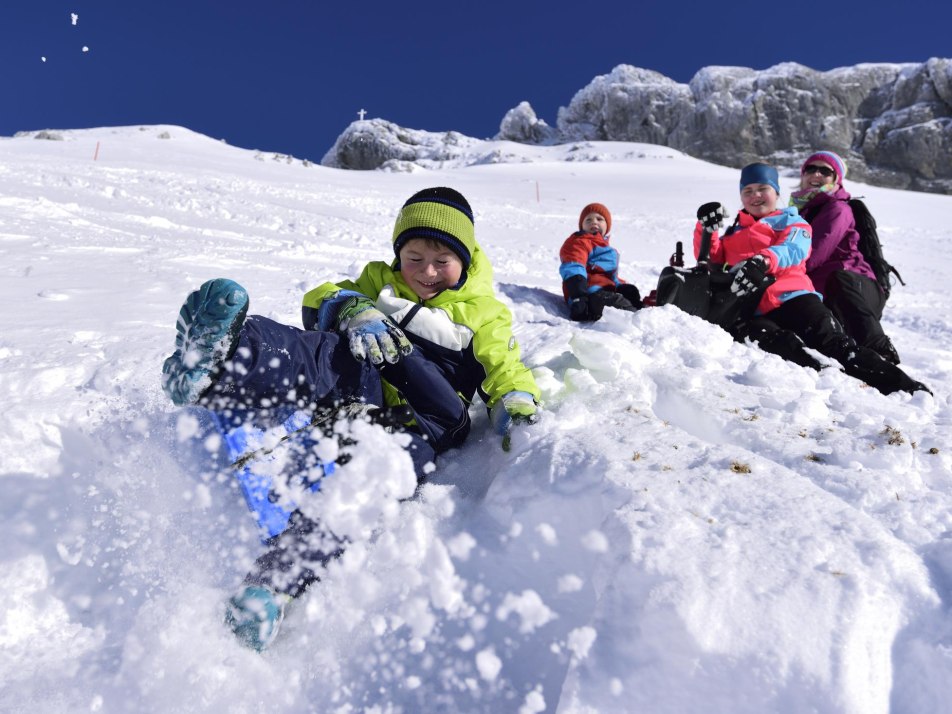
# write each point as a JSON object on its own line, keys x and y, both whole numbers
{"x": 822, "y": 170}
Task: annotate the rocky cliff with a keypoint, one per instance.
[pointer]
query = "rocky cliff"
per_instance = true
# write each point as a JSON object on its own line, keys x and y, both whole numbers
{"x": 892, "y": 122}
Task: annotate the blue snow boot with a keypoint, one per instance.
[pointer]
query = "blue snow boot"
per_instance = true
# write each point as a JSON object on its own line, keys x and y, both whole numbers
{"x": 255, "y": 616}
{"x": 206, "y": 335}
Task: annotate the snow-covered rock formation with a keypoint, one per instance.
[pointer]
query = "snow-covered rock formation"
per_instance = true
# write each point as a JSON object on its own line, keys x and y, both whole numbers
{"x": 892, "y": 122}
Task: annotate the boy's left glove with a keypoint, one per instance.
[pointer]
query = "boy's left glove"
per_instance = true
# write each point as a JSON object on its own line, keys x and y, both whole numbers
{"x": 513, "y": 407}
{"x": 371, "y": 333}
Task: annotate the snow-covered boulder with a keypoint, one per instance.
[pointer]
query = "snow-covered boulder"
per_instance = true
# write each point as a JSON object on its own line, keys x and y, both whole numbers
{"x": 891, "y": 122}
{"x": 630, "y": 102}
{"x": 376, "y": 143}
{"x": 522, "y": 125}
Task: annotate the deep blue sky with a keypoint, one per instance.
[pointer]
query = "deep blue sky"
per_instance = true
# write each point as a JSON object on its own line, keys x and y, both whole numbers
{"x": 290, "y": 75}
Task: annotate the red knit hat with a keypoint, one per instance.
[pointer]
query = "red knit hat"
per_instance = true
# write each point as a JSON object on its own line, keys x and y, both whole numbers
{"x": 600, "y": 210}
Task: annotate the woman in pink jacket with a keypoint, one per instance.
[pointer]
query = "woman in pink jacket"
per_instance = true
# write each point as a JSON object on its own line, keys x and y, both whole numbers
{"x": 836, "y": 266}
{"x": 768, "y": 249}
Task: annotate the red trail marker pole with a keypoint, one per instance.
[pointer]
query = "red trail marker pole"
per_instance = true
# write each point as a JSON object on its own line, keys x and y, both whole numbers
{"x": 96, "y": 154}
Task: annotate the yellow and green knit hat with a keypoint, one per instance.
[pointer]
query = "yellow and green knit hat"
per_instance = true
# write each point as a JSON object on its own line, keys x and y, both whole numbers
{"x": 441, "y": 214}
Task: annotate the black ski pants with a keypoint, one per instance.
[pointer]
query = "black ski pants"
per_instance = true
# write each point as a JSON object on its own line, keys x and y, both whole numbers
{"x": 857, "y": 302}
{"x": 805, "y": 321}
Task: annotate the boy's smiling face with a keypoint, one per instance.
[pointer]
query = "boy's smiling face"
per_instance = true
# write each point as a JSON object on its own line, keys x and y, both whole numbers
{"x": 429, "y": 267}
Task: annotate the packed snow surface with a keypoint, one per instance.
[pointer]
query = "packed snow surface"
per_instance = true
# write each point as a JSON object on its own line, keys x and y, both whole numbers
{"x": 693, "y": 526}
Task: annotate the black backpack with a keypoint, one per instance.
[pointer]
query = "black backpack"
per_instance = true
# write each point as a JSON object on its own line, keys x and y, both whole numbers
{"x": 870, "y": 246}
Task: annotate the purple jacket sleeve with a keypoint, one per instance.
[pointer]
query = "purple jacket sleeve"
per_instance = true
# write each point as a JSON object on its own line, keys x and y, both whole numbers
{"x": 829, "y": 228}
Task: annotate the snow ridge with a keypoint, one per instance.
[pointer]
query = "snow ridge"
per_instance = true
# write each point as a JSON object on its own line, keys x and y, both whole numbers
{"x": 693, "y": 525}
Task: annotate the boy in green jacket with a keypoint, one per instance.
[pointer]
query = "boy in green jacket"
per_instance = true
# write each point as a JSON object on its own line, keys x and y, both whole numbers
{"x": 424, "y": 331}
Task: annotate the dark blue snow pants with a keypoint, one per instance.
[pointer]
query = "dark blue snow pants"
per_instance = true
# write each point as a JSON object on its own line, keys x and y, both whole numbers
{"x": 278, "y": 367}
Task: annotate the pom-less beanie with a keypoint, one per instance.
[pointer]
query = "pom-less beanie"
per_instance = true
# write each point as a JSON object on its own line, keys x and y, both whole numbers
{"x": 759, "y": 173}
{"x": 441, "y": 214}
{"x": 601, "y": 210}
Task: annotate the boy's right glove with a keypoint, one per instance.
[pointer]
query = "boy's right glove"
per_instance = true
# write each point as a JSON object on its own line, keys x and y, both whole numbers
{"x": 370, "y": 333}
{"x": 514, "y": 407}
{"x": 712, "y": 216}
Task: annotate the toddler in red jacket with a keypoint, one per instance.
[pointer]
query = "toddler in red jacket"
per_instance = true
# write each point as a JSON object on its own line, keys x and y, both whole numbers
{"x": 589, "y": 268}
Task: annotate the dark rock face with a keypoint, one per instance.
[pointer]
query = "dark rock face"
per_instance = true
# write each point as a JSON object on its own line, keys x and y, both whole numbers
{"x": 892, "y": 122}
{"x": 366, "y": 145}
{"x": 628, "y": 102}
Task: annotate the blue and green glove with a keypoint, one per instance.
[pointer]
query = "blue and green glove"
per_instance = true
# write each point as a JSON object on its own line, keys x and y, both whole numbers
{"x": 370, "y": 333}
{"x": 512, "y": 408}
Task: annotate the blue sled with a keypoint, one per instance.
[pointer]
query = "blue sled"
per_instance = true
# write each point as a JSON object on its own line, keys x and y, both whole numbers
{"x": 256, "y": 473}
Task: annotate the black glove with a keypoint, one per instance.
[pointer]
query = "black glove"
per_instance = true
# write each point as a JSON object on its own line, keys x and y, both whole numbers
{"x": 579, "y": 309}
{"x": 630, "y": 292}
{"x": 712, "y": 216}
{"x": 750, "y": 276}
{"x": 598, "y": 301}
{"x": 576, "y": 286}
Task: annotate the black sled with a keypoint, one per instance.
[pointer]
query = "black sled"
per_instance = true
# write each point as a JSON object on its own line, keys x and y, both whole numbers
{"x": 705, "y": 289}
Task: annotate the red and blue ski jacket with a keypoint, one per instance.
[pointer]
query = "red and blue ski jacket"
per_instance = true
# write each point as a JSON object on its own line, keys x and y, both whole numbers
{"x": 590, "y": 256}
{"x": 782, "y": 238}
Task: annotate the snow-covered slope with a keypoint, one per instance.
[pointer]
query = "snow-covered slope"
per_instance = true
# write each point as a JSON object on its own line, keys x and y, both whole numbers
{"x": 694, "y": 525}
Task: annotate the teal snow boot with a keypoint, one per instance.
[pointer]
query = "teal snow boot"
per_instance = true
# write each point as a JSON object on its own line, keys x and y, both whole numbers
{"x": 254, "y": 614}
{"x": 206, "y": 335}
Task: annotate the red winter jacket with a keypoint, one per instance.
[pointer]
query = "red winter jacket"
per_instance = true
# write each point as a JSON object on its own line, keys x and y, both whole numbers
{"x": 589, "y": 255}
{"x": 782, "y": 237}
